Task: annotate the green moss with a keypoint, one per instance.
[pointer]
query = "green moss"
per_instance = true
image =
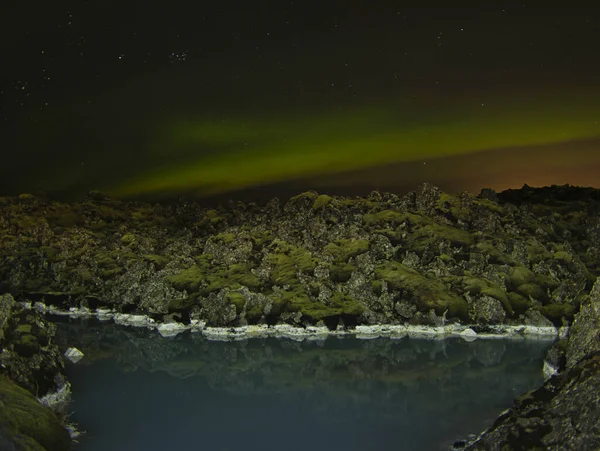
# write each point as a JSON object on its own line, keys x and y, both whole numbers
{"x": 495, "y": 256}
{"x": 488, "y": 204}
{"x": 520, "y": 275}
{"x": 536, "y": 252}
{"x": 32, "y": 425}
{"x": 241, "y": 274}
{"x": 501, "y": 295}
{"x": 446, "y": 258}
{"x": 23, "y": 329}
{"x": 453, "y": 205}
{"x": 385, "y": 216}
{"x": 477, "y": 286}
{"x": 437, "y": 232}
{"x": 128, "y": 239}
{"x": 213, "y": 277}
{"x": 159, "y": 261}
{"x": 188, "y": 279}
{"x": 61, "y": 215}
{"x": 556, "y": 312}
{"x": 377, "y": 286}
{"x": 306, "y": 195}
{"x": 298, "y": 301}
{"x": 225, "y": 238}
{"x": 236, "y": 299}
{"x": 345, "y": 305}
{"x": 287, "y": 260}
{"x": 426, "y": 293}
{"x": 474, "y": 285}
{"x": 341, "y": 272}
{"x": 210, "y": 220}
{"x": 343, "y": 250}
{"x": 563, "y": 256}
{"x": 322, "y": 201}
{"x": 533, "y": 291}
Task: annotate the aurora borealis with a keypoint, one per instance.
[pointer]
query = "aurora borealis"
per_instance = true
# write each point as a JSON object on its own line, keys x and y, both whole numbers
{"x": 142, "y": 99}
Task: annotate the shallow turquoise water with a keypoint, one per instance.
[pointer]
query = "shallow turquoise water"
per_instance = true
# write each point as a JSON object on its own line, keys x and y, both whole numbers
{"x": 137, "y": 391}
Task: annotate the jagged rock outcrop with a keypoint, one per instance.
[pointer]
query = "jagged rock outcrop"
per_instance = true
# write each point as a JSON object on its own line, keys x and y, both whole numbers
{"x": 564, "y": 413}
{"x": 30, "y": 364}
{"x": 584, "y": 337}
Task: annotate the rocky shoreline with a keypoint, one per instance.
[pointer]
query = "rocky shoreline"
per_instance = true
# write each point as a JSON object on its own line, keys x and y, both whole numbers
{"x": 428, "y": 263}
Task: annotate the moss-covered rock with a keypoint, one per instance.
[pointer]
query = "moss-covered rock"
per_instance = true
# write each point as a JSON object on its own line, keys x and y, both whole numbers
{"x": 28, "y": 424}
{"x": 164, "y": 258}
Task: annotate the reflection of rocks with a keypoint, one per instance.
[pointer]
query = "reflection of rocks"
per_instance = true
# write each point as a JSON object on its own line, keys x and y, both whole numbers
{"x": 489, "y": 353}
{"x": 340, "y": 376}
{"x": 279, "y": 365}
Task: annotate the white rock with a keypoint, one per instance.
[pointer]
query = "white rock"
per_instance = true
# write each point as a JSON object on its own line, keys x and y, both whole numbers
{"x": 563, "y": 332}
{"x": 74, "y": 355}
{"x": 540, "y": 331}
{"x": 131, "y": 320}
{"x": 171, "y": 329}
{"x": 468, "y": 334}
{"x": 549, "y": 370}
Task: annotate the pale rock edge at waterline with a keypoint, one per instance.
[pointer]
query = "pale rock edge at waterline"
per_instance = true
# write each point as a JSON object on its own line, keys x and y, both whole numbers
{"x": 172, "y": 329}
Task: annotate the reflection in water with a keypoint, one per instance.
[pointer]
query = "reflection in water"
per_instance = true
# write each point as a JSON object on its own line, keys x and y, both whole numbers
{"x": 137, "y": 391}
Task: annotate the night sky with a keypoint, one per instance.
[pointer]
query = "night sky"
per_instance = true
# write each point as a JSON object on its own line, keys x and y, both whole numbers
{"x": 145, "y": 99}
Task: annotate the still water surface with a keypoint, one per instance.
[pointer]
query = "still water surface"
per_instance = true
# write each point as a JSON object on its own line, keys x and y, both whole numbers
{"x": 134, "y": 390}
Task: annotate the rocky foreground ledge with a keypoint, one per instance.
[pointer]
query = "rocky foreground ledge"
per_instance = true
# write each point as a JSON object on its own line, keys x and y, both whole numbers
{"x": 33, "y": 390}
{"x": 518, "y": 258}
{"x": 565, "y": 412}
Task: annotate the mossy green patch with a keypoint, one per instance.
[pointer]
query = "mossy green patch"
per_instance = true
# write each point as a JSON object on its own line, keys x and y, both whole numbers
{"x": 23, "y": 329}
{"x": 533, "y": 291}
{"x": 241, "y": 274}
{"x": 494, "y": 255}
{"x": 159, "y": 261}
{"x": 453, "y": 205}
{"x": 490, "y": 205}
{"x": 518, "y": 303}
{"x": 206, "y": 277}
{"x": 236, "y": 299}
{"x": 298, "y": 301}
{"x": 563, "y": 256}
{"x": 385, "y": 216}
{"x": 520, "y": 275}
{"x": 287, "y": 260}
{"x": 341, "y": 272}
{"x": 344, "y": 249}
{"x": 477, "y": 286}
{"x": 437, "y": 232}
{"x": 188, "y": 279}
{"x": 556, "y": 312}
{"x": 321, "y": 201}
{"x": 427, "y": 293}
{"x": 224, "y": 238}
{"x": 536, "y": 252}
